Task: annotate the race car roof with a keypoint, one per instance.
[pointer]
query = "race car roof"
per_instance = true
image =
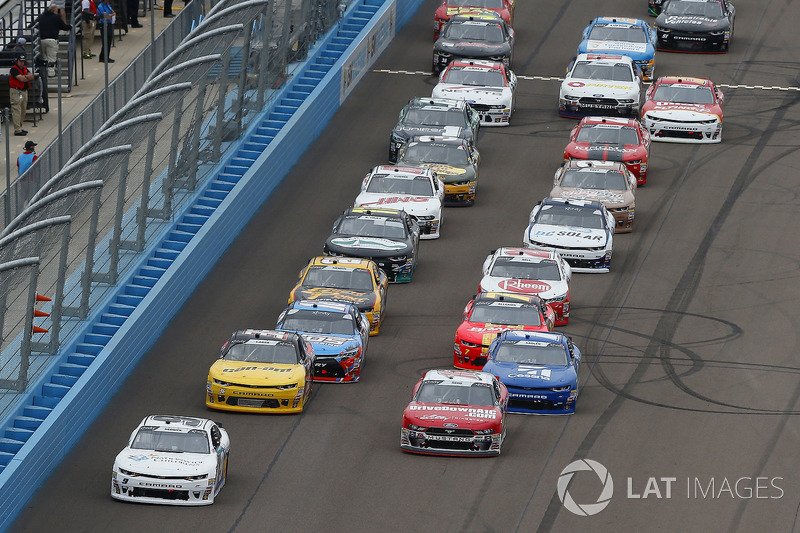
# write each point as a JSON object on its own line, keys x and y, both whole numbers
{"x": 464, "y": 377}
{"x": 595, "y": 164}
{"x": 244, "y": 335}
{"x": 589, "y": 204}
{"x": 445, "y": 103}
{"x": 616, "y": 121}
{"x": 323, "y": 305}
{"x": 688, "y": 80}
{"x": 620, "y": 20}
{"x": 373, "y": 211}
{"x": 402, "y": 170}
{"x": 605, "y": 59}
{"x": 541, "y": 336}
{"x": 477, "y": 63}
{"x": 526, "y": 253}
{"x": 346, "y": 262}
{"x": 485, "y": 17}
{"x": 178, "y": 423}
{"x": 488, "y": 298}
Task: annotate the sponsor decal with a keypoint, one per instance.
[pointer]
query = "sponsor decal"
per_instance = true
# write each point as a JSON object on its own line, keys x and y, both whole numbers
{"x": 396, "y": 199}
{"x": 594, "y": 46}
{"x": 326, "y": 339}
{"x": 577, "y": 234}
{"x": 261, "y": 368}
{"x": 685, "y": 19}
{"x": 603, "y": 195}
{"x": 576, "y": 84}
{"x": 537, "y": 373}
{"x": 368, "y": 242}
{"x": 433, "y": 417}
{"x": 524, "y": 285}
{"x": 472, "y": 412}
{"x": 441, "y": 168}
{"x": 674, "y": 106}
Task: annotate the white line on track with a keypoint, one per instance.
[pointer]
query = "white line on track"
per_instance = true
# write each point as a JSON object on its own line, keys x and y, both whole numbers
{"x": 553, "y": 78}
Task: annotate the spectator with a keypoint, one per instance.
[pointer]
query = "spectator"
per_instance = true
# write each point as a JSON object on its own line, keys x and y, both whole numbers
{"x": 19, "y": 48}
{"x": 49, "y": 26}
{"x": 60, "y": 5}
{"x": 168, "y": 9}
{"x": 19, "y": 80}
{"x": 26, "y": 158}
{"x": 106, "y": 18}
{"x": 133, "y": 13}
{"x": 88, "y": 25}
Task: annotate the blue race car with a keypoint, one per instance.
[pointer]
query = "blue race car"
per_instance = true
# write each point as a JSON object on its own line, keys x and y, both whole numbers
{"x": 631, "y": 37}
{"x": 338, "y": 332}
{"x": 539, "y": 369}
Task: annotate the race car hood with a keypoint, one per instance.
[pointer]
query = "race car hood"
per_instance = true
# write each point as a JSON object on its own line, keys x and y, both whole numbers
{"x": 568, "y": 237}
{"x": 154, "y": 463}
{"x": 477, "y": 49}
{"x": 328, "y": 345}
{"x": 457, "y": 415}
{"x": 634, "y": 50}
{"x": 600, "y": 88}
{"x": 451, "y": 173}
{"x": 602, "y": 152}
{"x": 544, "y": 289}
{"x": 484, "y": 334}
{"x": 473, "y": 94}
{"x": 534, "y": 376}
{"x": 408, "y": 131}
{"x": 357, "y": 246}
{"x": 611, "y": 199}
{"x": 249, "y": 373}
{"x": 682, "y": 112}
{"x": 693, "y": 23}
{"x": 361, "y": 299}
{"x": 413, "y": 205}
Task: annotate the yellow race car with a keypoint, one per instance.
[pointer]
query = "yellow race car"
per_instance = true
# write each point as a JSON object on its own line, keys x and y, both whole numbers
{"x": 345, "y": 279}
{"x": 262, "y": 371}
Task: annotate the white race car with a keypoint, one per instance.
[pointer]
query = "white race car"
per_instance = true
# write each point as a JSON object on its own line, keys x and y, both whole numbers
{"x": 600, "y": 84}
{"x": 416, "y": 190}
{"x": 529, "y": 271}
{"x": 489, "y": 87}
{"x": 175, "y": 460}
{"x": 582, "y": 231}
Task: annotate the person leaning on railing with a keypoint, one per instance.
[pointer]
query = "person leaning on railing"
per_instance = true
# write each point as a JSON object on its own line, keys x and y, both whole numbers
{"x": 19, "y": 80}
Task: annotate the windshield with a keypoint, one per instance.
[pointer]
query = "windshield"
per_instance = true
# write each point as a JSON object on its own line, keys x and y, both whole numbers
{"x": 586, "y": 70}
{"x": 578, "y": 217}
{"x": 437, "y": 392}
{"x": 531, "y": 353}
{"x": 435, "y": 117}
{"x": 612, "y": 180}
{"x": 490, "y": 33}
{"x": 543, "y": 270}
{"x": 151, "y": 438}
{"x": 700, "y": 9}
{"x": 262, "y": 351}
{"x": 684, "y": 94}
{"x": 527, "y": 315}
{"x": 366, "y": 226}
{"x": 617, "y": 32}
{"x": 606, "y": 134}
{"x": 315, "y": 321}
{"x": 473, "y": 76}
{"x": 494, "y": 4}
{"x": 338, "y": 278}
{"x": 387, "y": 183}
{"x": 449, "y": 154}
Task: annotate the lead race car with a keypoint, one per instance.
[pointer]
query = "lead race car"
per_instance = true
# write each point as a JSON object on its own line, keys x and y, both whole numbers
{"x": 455, "y": 412}
{"x": 450, "y": 8}
{"x": 540, "y": 371}
{"x": 482, "y": 36}
{"x": 489, "y": 87}
{"x": 417, "y": 190}
{"x": 175, "y": 460}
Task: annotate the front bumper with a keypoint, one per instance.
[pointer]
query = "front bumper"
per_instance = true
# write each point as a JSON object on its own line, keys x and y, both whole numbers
{"x": 469, "y": 356}
{"x": 337, "y": 370}
{"x": 623, "y": 216}
{"x": 428, "y": 227}
{"x": 399, "y": 271}
{"x": 685, "y": 41}
{"x": 584, "y": 261}
{"x": 143, "y": 489}
{"x": 590, "y": 106}
{"x": 541, "y": 401}
{"x": 460, "y": 192}
{"x": 704, "y": 131}
{"x": 461, "y": 446}
{"x": 255, "y": 399}
{"x": 493, "y": 115}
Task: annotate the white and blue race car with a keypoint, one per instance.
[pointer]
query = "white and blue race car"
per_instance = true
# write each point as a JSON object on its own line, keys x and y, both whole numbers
{"x": 338, "y": 331}
{"x": 627, "y": 36}
{"x": 582, "y": 231}
{"x": 539, "y": 369}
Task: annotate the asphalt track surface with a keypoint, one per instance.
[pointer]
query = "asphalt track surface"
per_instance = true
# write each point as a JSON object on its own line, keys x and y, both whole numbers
{"x": 690, "y": 343}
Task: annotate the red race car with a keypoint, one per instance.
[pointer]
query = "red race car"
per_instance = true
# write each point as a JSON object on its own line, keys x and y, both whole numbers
{"x": 489, "y": 314}
{"x": 611, "y": 139}
{"x": 505, "y": 8}
{"x": 455, "y": 412}
{"x": 683, "y": 110}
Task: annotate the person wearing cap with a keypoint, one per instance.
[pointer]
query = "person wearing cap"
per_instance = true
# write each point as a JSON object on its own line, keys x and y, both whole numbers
{"x": 106, "y": 16}
{"x": 50, "y": 24}
{"x": 19, "y": 80}
{"x": 26, "y": 158}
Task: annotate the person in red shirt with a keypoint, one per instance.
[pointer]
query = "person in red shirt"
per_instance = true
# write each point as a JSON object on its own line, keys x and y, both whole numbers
{"x": 19, "y": 80}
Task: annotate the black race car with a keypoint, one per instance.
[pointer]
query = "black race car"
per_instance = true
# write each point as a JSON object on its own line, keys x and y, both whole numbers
{"x": 434, "y": 116}
{"x": 480, "y": 36}
{"x": 387, "y": 236}
{"x": 695, "y": 25}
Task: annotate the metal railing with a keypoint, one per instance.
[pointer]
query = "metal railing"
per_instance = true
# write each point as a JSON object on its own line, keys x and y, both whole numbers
{"x": 132, "y": 160}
